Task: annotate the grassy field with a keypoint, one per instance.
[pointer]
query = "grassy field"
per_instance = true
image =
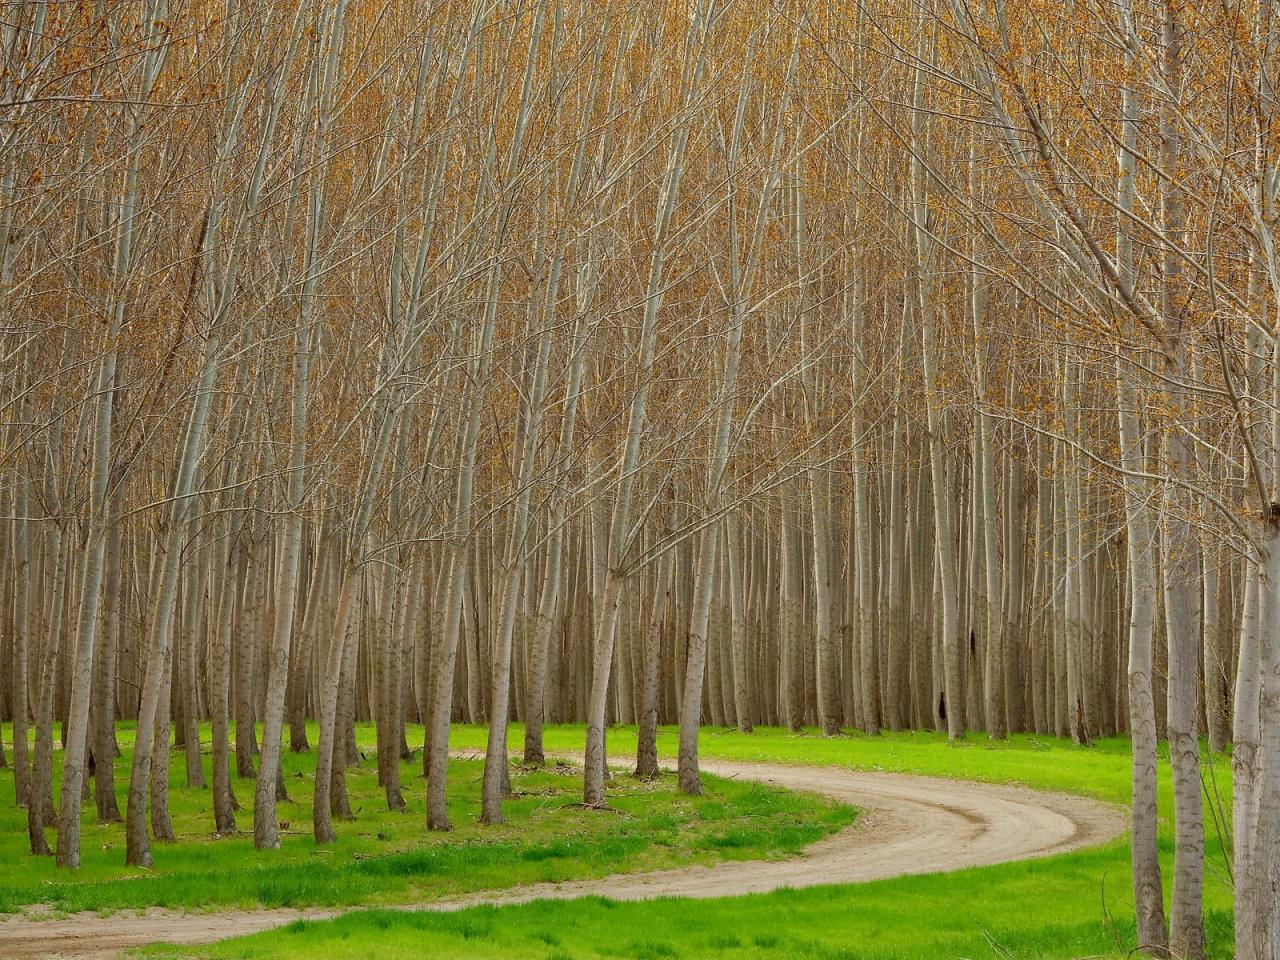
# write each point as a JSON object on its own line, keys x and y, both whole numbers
{"x": 384, "y": 857}
{"x": 1074, "y": 905}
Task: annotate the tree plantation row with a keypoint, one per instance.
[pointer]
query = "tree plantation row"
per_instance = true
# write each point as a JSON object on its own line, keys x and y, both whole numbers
{"x": 806, "y": 363}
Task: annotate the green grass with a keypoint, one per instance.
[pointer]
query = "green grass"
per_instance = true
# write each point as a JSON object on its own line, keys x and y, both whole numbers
{"x": 1073, "y": 905}
{"x": 385, "y": 858}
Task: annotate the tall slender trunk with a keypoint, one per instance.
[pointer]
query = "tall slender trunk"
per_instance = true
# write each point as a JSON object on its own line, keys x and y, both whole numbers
{"x": 1265, "y": 845}
{"x": 190, "y": 691}
{"x": 863, "y": 616}
{"x": 1015, "y": 645}
{"x": 1073, "y": 583}
{"x": 161, "y": 824}
{"x": 1246, "y": 735}
{"x": 543, "y": 627}
{"x": 1179, "y": 553}
{"x": 647, "y": 735}
{"x": 1217, "y": 654}
{"x": 224, "y": 802}
{"x": 156, "y": 682}
{"x": 104, "y": 693}
{"x": 39, "y": 799}
{"x": 743, "y": 702}
{"x": 620, "y": 532}
{"x": 460, "y": 548}
{"x": 944, "y": 536}
{"x": 790, "y": 614}
{"x": 1147, "y": 887}
{"x": 985, "y": 536}
{"x": 828, "y": 662}
{"x": 22, "y": 633}
{"x": 246, "y": 646}
{"x": 266, "y": 834}
{"x": 1148, "y": 890}
{"x": 691, "y": 703}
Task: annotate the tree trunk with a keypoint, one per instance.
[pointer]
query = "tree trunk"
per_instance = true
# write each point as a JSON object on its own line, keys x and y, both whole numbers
{"x": 104, "y": 693}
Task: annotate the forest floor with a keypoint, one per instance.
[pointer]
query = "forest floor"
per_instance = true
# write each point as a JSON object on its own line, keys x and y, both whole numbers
{"x": 909, "y": 825}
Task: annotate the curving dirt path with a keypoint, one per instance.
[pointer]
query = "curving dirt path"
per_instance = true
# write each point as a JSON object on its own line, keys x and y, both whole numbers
{"x": 908, "y": 825}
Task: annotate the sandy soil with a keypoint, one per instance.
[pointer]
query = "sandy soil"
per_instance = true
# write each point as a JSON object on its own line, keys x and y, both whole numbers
{"x": 908, "y": 825}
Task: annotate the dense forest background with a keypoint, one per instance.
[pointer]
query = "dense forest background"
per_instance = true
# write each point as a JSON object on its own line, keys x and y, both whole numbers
{"x": 838, "y": 364}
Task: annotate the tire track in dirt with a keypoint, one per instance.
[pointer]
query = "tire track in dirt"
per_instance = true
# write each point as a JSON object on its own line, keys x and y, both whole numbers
{"x": 907, "y": 825}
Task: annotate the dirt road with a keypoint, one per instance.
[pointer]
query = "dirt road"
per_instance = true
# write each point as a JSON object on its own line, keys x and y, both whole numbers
{"x": 908, "y": 825}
